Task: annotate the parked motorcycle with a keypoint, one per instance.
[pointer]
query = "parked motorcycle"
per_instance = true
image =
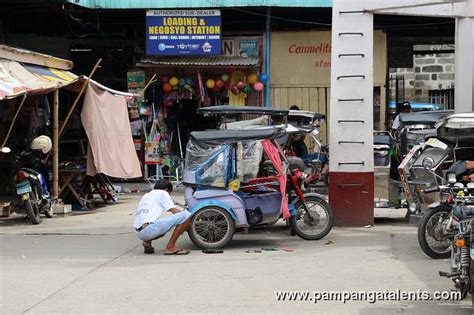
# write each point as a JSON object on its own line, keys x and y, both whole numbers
{"x": 462, "y": 255}
{"x": 31, "y": 180}
{"x": 439, "y": 224}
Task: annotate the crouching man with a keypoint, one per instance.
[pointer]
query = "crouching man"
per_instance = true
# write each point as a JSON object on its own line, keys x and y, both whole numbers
{"x": 149, "y": 224}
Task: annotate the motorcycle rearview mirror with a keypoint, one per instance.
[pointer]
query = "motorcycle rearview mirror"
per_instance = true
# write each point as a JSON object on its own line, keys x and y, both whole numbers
{"x": 6, "y": 150}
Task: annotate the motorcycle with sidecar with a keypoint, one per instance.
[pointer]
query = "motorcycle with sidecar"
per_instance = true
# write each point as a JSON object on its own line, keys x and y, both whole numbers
{"x": 229, "y": 187}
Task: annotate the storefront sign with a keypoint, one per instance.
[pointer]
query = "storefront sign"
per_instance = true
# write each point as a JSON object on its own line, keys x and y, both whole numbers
{"x": 304, "y": 58}
{"x": 248, "y": 48}
{"x": 152, "y": 153}
{"x": 241, "y": 46}
{"x": 183, "y": 32}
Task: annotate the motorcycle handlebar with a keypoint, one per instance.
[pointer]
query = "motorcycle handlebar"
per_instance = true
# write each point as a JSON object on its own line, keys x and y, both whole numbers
{"x": 430, "y": 190}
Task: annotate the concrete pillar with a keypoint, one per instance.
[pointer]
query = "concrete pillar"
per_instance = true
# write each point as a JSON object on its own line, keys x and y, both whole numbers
{"x": 351, "y": 179}
{"x": 464, "y": 63}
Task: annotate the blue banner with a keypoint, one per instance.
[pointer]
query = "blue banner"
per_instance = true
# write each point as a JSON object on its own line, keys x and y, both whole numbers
{"x": 183, "y": 32}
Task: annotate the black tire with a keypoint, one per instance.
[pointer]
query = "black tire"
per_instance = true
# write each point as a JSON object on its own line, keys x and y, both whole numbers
{"x": 203, "y": 217}
{"x": 48, "y": 212}
{"x": 32, "y": 209}
{"x": 296, "y": 228}
{"x": 439, "y": 212}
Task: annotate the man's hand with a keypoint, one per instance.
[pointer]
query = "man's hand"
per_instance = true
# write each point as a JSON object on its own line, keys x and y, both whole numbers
{"x": 469, "y": 165}
{"x": 174, "y": 210}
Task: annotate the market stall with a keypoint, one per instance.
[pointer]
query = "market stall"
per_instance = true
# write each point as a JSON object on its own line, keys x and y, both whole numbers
{"x": 30, "y": 106}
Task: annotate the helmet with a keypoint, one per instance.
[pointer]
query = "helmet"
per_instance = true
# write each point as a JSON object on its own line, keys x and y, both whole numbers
{"x": 42, "y": 143}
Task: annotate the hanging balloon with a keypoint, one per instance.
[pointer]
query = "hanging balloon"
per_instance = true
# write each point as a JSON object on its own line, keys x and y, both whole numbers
{"x": 247, "y": 90}
{"x": 187, "y": 87}
{"x": 240, "y": 85}
{"x": 258, "y": 86}
{"x": 225, "y": 77}
{"x": 167, "y": 87}
{"x": 175, "y": 88}
{"x": 189, "y": 81}
{"x": 234, "y": 89}
{"x": 263, "y": 77}
{"x": 174, "y": 81}
{"x": 182, "y": 82}
{"x": 252, "y": 78}
{"x": 210, "y": 83}
{"x": 220, "y": 83}
{"x": 216, "y": 89}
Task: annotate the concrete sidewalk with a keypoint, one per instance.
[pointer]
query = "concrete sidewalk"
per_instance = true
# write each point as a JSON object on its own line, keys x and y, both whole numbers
{"x": 93, "y": 263}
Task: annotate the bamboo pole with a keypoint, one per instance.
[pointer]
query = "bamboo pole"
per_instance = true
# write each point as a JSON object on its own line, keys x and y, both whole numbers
{"x": 14, "y": 119}
{"x": 149, "y": 82}
{"x": 78, "y": 97}
{"x": 56, "y": 144}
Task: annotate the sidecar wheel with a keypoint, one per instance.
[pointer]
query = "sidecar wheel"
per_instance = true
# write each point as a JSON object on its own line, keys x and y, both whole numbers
{"x": 211, "y": 228}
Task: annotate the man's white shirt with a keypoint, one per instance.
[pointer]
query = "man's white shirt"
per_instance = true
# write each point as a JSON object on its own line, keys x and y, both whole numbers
{"x": 151, "y": 207}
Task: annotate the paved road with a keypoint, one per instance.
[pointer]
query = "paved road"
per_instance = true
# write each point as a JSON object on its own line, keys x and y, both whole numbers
{"x": 92, "y": 263}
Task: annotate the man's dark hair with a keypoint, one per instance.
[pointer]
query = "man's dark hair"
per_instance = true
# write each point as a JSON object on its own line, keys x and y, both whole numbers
{"x": 164, "y": 184}
{"x": 406, "y": 105}
{"x": 294, "y": 107}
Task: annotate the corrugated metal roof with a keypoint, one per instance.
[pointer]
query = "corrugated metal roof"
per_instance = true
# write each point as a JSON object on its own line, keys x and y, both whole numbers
{"x": 200, "y": 61}
{"x": 177, "y": 4}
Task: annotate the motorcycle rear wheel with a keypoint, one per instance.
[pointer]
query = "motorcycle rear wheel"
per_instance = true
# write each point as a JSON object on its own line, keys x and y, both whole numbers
{"x": 32, "y": 209}
{"x": 431, "y": 221}
{"x": 300, "y": 223}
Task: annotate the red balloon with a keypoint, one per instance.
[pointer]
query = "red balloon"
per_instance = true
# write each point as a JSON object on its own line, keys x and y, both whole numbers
{"x": 216, "y": 89}
{"x": 234, "y": 89}
{"x": 219, "y": 84}
{"x": 240, "y": 85}
{"x": 167, "y": 87}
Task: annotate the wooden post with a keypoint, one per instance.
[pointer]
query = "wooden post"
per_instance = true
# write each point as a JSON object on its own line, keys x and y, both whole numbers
{"x": 56, "y": 144}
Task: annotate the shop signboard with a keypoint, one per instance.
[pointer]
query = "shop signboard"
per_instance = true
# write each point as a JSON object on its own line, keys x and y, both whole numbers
{"x": 241, "y": 46}
{"x": 304, "y": 58}
{"x": 248, "y": 47}
{"x": 152, "y": 153}
{"x": 183, "y": 32}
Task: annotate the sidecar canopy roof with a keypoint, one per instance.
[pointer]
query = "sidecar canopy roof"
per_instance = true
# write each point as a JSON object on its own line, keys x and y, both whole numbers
{"x": 221, "y": 137}
{"x": 424, "y": 118}
{"x": 234, "y": 110}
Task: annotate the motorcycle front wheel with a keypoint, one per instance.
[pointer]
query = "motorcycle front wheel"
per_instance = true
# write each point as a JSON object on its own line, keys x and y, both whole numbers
{"x": 431, "y": 237}
{"x": 32, "y": 209}
{"x": 314, "y": 226}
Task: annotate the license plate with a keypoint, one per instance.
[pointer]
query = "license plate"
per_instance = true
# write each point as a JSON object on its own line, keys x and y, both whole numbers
{"x": 23, "y": 190}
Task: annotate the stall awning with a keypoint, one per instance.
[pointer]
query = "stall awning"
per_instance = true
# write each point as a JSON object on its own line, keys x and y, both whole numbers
{"x": 208, "y": 61}
{"x": 17, "y": 79}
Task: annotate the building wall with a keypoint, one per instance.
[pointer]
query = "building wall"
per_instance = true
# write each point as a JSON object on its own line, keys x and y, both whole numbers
{"x": 431, "y": 72}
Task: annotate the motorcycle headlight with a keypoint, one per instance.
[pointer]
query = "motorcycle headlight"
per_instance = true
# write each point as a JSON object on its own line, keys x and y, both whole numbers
{"x": 412, "y": 207}
{"x": 451, "y": 177}
{"x": 428, "y": 163}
